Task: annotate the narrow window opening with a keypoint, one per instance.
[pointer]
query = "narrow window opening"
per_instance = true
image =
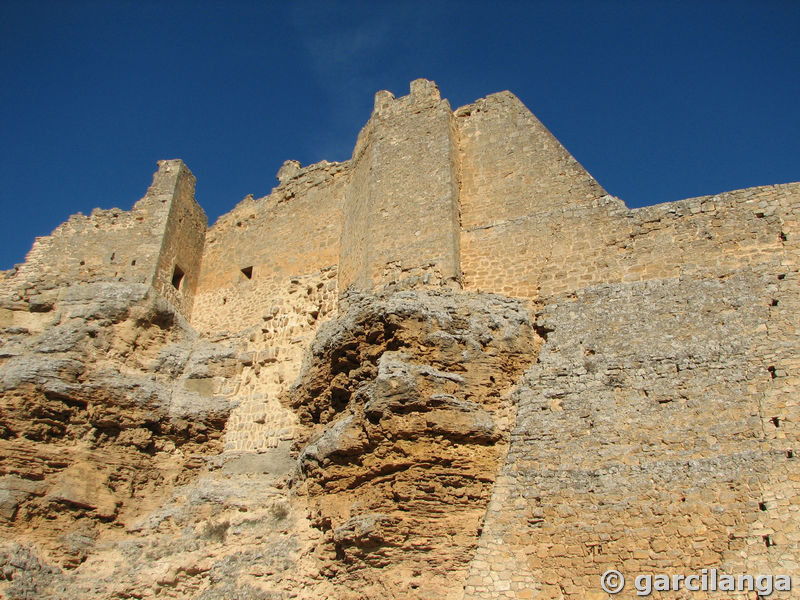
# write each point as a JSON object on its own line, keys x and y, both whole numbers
{"x": 771, "y": 370}
{"x": 177, "y": 277}
{"x": 768, "y": 541}
{"x": 248, "y": 272}
{"x": 774, "y": 302}
{"x": 776, "y": 421}
{"x": 782, "y": 276}
{"x": 790, "y": 454}
{"x": 783, "y": 236}
{"x": 113, "y": 255}
{"x": 762, "y": 506}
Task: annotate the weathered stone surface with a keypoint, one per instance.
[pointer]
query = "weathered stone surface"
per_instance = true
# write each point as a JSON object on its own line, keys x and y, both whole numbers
{"x": 405, "y": 402}
{"x": 451, "y": 367}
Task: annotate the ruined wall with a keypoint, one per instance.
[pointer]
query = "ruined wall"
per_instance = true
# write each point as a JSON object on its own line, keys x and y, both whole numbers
{"x": 108, "y": 245}
{"x": 272, "y": 360}
{"x": 637, "y": 409}
{"x": 401, "y": 215}
{"x": 136, "y": 246}
{"x": 715, "y": 234}
{"x": 293, "y": 232}
{"x": 657, "y": 431}
{"x": 182, "y": 246}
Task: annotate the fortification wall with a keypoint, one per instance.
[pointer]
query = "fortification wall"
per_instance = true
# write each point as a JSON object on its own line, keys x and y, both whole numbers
{"x": 272, "y": 361}
{"x": 657, "y": 431}
{"x": 715, "y": 234}
{"x": 512, "y": 166}
{"x": 108, "y": 245}
{"x": 178, "y": 267}
{"x": 401, "y": 215}
{"x": 603, "y": 242}
{"x": 516, "y": 182}
{"x": 252, "y": 253}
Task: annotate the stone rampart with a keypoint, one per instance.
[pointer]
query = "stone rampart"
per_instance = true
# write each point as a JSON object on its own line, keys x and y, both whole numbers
{"x": 641, "y": 414}
{"x": 252, "y": 253}
{"x": 163, "y": 229}
{"x": 401, "y": 216}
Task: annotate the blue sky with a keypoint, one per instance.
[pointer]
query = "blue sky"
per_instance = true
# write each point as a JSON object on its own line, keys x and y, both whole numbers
{"x": 658, "y": 100}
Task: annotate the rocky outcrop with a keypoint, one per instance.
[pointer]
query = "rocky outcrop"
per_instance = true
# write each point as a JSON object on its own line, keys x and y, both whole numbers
{"x": 115, "y": 485}
{"x": 324, "y": 395}
{"x": 405, "y": 406}
{"x": 109, "y": 400}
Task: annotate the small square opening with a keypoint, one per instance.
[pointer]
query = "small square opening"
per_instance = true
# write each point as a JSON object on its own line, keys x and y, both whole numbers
{"x": 247, "y": 272}
{"x": 177, "y": 277}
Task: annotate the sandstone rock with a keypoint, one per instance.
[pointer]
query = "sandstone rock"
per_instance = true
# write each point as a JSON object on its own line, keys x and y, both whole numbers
{"x": 452, "y": 367}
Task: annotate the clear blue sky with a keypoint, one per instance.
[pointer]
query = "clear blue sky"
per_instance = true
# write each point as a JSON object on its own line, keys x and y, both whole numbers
{"x": 658, "y": 100}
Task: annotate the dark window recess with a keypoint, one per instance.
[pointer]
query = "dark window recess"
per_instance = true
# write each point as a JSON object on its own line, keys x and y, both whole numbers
{"x": 177, "y": 277}
{"x": 248, "y": 272}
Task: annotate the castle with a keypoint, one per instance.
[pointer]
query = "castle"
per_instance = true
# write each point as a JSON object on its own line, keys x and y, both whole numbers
{"x": 483, "y": 199}
{"x": 653, "y": 424}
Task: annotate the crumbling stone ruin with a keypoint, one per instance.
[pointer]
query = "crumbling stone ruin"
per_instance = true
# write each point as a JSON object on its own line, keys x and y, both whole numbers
{"x": 451, "y": 367}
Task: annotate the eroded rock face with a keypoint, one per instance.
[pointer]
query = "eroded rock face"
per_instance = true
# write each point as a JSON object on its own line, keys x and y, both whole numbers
{"x": 301, "y": 441}
{"x": 404, "y": 401}
{"x": 115, "y": 484}
{"x": 109, "y": 401}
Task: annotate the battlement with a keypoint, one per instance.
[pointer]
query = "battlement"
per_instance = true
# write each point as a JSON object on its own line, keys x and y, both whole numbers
{"x": 452, "y": 364}
{"x": 482, "y": 198}
{"x": 158, "y": 242}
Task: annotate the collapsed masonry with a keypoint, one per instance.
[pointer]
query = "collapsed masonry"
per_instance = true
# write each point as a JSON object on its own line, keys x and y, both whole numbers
{"x": 450, "y": 367}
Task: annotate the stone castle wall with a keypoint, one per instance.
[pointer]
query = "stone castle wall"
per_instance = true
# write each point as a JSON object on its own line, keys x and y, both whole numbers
{"x": 656, "y": 430}
{"x": 517, "y": 181}
{"x": 484, "y": 197}
{"x": 182, "y": 248}
{"x": 656, "y": 433}
{"x": 404, "y": 181}
{"x": 253, "y": 252}
{"x": 164, "y": 229}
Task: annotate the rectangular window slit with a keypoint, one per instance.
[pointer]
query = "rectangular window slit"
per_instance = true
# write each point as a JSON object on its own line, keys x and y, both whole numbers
{"x": 177, "y": 277}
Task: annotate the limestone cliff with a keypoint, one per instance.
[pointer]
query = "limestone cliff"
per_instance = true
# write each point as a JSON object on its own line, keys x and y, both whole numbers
{"x": 451, "y": 367}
